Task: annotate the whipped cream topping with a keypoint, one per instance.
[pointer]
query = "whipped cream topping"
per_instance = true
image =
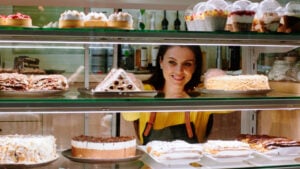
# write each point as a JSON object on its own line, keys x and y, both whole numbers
{"x": 27, "y": 149}
{"x": 120, "y": 16}
{"x": 103, "y": 146}
{"x": 96, "y": 16}
{"x": 72, "y": 15}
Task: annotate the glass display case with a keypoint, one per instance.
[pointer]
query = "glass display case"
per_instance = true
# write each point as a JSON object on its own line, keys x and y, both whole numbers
{"x": 83, "y": 111}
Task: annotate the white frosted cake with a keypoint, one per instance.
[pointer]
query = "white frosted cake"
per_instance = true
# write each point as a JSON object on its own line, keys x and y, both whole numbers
{"x": 71, "y": 19}
{"x": 118, "y": 80}
{"x": 106, "y": 148}
{"x": 237, "y": 83}
{"x": 27, "y": 149}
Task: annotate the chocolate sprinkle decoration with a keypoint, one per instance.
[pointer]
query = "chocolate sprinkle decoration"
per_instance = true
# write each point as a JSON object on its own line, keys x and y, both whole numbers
{"x": 103, "y": 139}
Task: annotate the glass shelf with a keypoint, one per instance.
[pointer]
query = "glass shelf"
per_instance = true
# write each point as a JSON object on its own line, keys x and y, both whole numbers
{"x": 80, "y": 36}
{"x": 74, "y": 102}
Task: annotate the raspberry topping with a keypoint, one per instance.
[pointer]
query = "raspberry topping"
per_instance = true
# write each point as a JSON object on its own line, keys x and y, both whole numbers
{"x": 18, "y": 16}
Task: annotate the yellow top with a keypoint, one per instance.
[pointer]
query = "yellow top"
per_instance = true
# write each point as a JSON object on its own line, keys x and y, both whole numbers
{"x": 166, "y": 119}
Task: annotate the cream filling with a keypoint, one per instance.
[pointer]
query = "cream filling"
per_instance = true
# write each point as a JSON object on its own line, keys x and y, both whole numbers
{"x": 103, "y": 146}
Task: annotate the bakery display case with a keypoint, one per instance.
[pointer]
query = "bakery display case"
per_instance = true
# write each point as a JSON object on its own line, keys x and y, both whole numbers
{"x": 84, "y": 110}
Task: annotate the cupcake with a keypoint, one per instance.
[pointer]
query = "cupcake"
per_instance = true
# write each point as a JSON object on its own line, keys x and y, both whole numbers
{"x": 71, "y": 19}
{"x": 267, "y": 17}
{"x": 121, "y": 20}
{"x": 189, "y": 19}
{"x": 198, "y": 16}
{"x": 242, "y": 15}
{"x": 95, "y": 19}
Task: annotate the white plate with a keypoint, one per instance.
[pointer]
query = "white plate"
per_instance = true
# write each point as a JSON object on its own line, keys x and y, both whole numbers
{"x": 27, "y": 165}
{"x": 169, "y": 162}
{"x": 42, "y": 93}
{"x": 228, "y": 159}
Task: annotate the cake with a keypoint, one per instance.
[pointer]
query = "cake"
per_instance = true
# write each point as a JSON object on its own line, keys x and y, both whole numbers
{"x": 269, "y": 22}
{"x": 105, "y": 148}
{"x": 13, "y": 82}
{"x": 71, "y": 19}
{"x": 267, "y": 16}
{"x": 27, "y": 149}
{"x": 226, "y": 148}
{"x": 2, "y": 20}
{"x": 237, "y": 83}
{"x": 119, "y": 80}
{"x": 242, "y": 15}
{"x": 21, "y": 82}
{"x": 290, "y": 20}
{"x": 215, "y": 20}
{"x": 120, "y": 20}
{"x": 18, "y": 19}
{"x": 265, "y": 143}
{"x": 94, "y": 19}
{"x": 48, "y": 82}
{"x": 173, "y": 150}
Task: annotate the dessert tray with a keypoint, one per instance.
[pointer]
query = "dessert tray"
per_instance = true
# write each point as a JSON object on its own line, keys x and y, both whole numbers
{"x": 178, "y": 158}
{"x": 27, "y": 165}
{"x": 41, "y": 93}
{"x": 234, "y": 93}
{"x": 90, "y": 92}
{"x": 68, "y": 154}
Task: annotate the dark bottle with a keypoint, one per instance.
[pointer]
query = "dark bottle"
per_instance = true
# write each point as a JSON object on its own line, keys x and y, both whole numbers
{"x": 177, "y": 22}
{"x": 235, "y": 57}
{"x": 164, "y": 22}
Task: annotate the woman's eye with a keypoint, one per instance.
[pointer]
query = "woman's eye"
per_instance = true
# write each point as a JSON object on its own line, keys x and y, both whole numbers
{"x": 172, "y": 62}
{"x": 188, "y": 64}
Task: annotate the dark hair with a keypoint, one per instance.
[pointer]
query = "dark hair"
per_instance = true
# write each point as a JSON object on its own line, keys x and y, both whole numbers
{"x": 157, "y": 79}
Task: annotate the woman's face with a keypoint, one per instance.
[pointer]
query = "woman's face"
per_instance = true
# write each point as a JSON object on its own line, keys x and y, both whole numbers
{"x": 178, "y": 66}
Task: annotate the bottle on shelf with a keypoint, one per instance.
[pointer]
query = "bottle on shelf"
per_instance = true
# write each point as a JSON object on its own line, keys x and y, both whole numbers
{"x": 164, "y": 22}
{"x": 177, "y": 22}
{"x": 152, "y": 21}
{"x": 144, "y": 58}
{"x": 219, "y": 60}
{"x": 234, "y": 57}
{"x": 141, "y": 20}
{"x": 127, "y": 60}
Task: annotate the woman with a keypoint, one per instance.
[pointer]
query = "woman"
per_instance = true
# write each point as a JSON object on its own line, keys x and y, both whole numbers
{"x": 178, "y": 72}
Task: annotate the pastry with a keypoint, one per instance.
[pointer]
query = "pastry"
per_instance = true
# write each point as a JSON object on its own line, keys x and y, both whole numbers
{"x": 119, "y": 80}
{"x": 237, "y": 83}
{"x": 120, "y": 20}
{"x": 13, "y": 82}
{"x": 48, "y": 82}
{"x": 94, "y": 19}
{"x": 242, "y": 15}
{"x": 105, "y": 148}
{"x": 71, "y": 19}
{"x": 18, "y": 19}
{"x": 27, "y": 149}
{"x": 226, "y": 148}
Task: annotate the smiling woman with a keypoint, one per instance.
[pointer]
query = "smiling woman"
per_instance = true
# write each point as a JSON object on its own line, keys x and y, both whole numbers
{"x": 177, "y": 73}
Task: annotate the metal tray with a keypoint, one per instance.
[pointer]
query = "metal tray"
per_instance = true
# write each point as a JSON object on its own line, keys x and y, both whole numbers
{"x": 68, "y": 154}
{"x": 90, "y": 92}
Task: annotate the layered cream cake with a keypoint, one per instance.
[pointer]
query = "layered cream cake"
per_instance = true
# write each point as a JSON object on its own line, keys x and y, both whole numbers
{"x": 120, "y": 20}
{"x": 106, "y": 148}
{"x": 237, "y": 83}
{"x": 18, "y": 19}
{"x": 95, "y": 19}
{"x": 71, "y": 19}
{"x": 27, "y": 149}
